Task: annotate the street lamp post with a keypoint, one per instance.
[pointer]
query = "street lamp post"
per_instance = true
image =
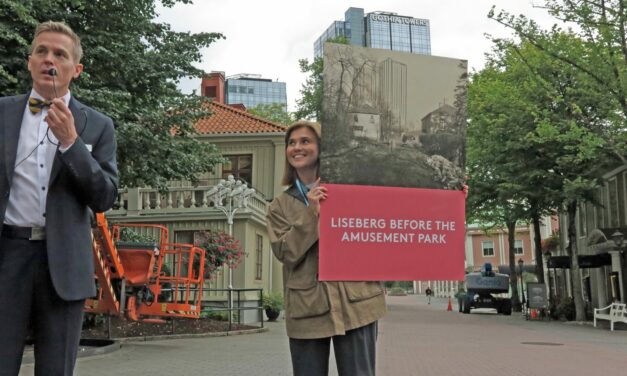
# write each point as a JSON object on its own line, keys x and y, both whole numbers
{"x": 618, "y": 238}
{"x": 521, "y": 264}
{"x": 548, "y": 255}
{"x": 229, "y": 196}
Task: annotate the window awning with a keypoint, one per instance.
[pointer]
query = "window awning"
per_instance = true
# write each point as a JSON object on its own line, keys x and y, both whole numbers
{"x": 585, "y": 261}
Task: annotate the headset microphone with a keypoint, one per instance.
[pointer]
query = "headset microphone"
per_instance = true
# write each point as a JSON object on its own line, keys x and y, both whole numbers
{"x": 52, "y": 72}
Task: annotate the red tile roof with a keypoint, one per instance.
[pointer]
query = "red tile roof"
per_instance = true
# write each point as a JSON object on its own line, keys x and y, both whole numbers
{"x": 227, "y": 120}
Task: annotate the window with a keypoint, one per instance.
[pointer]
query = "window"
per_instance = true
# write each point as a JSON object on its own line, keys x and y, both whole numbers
{"x": 259, "y": 258}
{"x": 488, "y": 248}
{"x": 184, "y": 237}
{"x": 240, "y": 166}
{"x": 518, "y": 247}
{"x": 613, "y": 202}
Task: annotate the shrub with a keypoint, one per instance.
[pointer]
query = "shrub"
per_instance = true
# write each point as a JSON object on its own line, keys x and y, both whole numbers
{"x": 397, "y": 291}
{"x": 566, "y": 309}
{"x": 273, "y": 300}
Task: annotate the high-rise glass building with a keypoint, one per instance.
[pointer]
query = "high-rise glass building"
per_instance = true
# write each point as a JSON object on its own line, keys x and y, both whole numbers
{"x": 252, "y": 90}
{"x": 383, "y": 30}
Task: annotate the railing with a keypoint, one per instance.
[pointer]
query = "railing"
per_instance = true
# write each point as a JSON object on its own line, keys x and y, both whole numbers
{"x": 236, "y": 307}
{"x": 137, "y": 201}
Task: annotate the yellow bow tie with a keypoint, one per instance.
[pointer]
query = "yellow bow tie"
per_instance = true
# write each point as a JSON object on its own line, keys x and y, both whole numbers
{"x": 35, "y": 105}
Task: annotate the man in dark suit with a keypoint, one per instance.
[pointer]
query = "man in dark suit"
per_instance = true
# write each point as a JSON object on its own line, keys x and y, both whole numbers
{"x": 57, "y": 162}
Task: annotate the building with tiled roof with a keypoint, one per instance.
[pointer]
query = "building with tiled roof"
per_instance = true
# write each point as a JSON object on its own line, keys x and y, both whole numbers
{"x": 253, "y": 146}
{"x": 226, "y": 119}
{"x": 255, "y": 152}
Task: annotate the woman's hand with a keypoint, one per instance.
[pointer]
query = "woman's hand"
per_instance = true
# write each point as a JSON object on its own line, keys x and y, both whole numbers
{"x": 315, "y": 195}
{"x": 465, "y": 190}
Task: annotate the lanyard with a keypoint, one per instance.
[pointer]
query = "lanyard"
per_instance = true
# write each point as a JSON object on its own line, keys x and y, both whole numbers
{"x": 303, "y": 191}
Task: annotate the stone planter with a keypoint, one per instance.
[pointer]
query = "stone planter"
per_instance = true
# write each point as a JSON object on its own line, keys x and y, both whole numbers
{"x": 272, "y": 314}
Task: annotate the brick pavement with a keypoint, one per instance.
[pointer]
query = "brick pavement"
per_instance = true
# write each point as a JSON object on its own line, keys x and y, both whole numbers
{"x": 414, "y": 339}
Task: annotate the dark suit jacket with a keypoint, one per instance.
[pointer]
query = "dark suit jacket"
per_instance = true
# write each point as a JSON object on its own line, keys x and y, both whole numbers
{"x": 80, "y": 180}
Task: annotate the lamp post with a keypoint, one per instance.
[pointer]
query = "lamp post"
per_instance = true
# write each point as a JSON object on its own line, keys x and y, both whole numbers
{"x": 547, "y": 254}
{"x": 229, "y": 196}
{"x": 521, "y": 264}
{"x": 618, "y": 238}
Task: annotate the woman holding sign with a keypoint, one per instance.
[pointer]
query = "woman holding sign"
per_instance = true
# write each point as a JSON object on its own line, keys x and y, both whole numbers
{"x": 318, "y": 311}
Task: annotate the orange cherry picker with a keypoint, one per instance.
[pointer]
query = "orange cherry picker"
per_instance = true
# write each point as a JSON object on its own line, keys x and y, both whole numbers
{"x": 145, "y": 281}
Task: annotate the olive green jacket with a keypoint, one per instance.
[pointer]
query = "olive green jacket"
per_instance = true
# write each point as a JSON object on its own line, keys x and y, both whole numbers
{"x": 315, "y": 309}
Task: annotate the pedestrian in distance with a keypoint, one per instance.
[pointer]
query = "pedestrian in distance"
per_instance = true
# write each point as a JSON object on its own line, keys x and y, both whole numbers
{"x": 460, "y": 295}
{"x": 57, "y": 158}
{"x": 318, "y": 312}
{"x": 429, "y": 293}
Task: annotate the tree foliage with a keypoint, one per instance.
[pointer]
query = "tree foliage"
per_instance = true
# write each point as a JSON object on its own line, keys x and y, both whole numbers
{"x": 597, "y": 52}
{"x": 274, "y": 112}
{"x": 546, "y": 114}
{"x": 132, "y": 67}
{"x": 309, "y": 106}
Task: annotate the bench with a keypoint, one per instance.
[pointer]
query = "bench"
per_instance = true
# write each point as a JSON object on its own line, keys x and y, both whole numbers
{"x": 616, "y": 312}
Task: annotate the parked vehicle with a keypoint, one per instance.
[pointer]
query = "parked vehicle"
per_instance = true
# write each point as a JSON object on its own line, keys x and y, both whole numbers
{"x": 482, "y": 288}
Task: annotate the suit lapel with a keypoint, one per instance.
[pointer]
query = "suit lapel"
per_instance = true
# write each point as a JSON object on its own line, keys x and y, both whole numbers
{"x": 80, "y": 122}
{"x": 12, "y": 121}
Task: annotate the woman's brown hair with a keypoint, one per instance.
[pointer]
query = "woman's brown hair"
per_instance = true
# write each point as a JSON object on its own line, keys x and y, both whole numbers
{"x": 289, "y": 173}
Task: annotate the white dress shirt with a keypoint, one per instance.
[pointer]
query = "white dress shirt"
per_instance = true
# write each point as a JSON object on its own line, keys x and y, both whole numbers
{"x": 36, "y": 149}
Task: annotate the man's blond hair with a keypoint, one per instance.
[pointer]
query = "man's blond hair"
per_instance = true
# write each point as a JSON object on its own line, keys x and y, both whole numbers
{"x": 60, "y": 27}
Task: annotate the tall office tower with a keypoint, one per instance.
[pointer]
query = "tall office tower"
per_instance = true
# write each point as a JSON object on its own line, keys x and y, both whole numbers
{"x": 393, "y": 91}
{"x": 383, "y": 30}
{"x": 252, "y": 90}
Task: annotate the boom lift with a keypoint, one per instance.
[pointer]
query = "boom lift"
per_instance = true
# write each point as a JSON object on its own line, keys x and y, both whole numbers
{"x": 133, "y": 279}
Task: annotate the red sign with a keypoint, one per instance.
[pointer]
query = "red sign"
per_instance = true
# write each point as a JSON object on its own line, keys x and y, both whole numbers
{"x": 391, "y": 234}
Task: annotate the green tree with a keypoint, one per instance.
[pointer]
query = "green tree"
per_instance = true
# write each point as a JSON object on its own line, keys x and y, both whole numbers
{"x": 497, "y": 123}
{"x": 536, "y": 121}
{"x": 592, "y": 55}
{"x": 274, "y": 112}
{"x": 309, "y": 105}
{"x": 600, "y": 55}
{"x": 132, "y": 67}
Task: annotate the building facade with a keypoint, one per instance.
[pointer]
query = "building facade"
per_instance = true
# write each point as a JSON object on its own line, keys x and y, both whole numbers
{"x": 601, "y": 229}
{"x": 255, "y": 153}
{"x": 249, "y": 90}
{"x": 492, "y": 246}
{"x": 384, "y": 30}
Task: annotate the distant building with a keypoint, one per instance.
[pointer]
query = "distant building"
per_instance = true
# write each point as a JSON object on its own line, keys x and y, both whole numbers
{"x": 249, "y": 90}
{"x": 439, "y": 120}
{"x": 383, "y": 30}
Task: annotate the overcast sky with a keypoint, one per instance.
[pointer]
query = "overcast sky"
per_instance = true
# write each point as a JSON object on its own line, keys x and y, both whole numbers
{"x": 269, "y": 37}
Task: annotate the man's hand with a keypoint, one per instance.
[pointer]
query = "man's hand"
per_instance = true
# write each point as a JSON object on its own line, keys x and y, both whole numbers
{"x": 61, "y": 123}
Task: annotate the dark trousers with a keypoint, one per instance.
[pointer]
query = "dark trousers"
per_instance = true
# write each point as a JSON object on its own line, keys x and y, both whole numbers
{"x": 29, "y": 303}
{"x": 354, "y": 353}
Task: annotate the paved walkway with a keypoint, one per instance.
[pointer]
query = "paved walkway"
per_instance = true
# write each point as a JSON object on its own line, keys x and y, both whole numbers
{"x": 414, "y": 339}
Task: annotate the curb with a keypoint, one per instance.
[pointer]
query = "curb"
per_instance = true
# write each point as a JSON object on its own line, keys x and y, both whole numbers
{"x": 92, "y": 347}
{"x": 190, "y": 335}
{"x": 87, "y": 347}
